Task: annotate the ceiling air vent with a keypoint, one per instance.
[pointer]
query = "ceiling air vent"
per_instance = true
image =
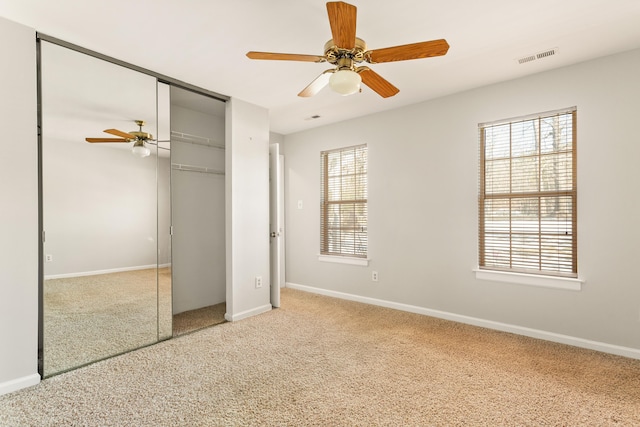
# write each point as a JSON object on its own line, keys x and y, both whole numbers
{"x": 527, "y": 59}
{"x": 540, "y": 55}
{"x": 546, "y": 53}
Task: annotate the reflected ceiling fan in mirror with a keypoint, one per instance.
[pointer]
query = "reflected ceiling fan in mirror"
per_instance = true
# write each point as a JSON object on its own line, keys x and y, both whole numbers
{"x": 346, "y": 51}
{"x": 138, "y": 137}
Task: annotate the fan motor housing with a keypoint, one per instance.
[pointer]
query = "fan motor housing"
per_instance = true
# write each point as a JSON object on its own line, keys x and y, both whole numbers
{"x": 335, "y": 53}
{"x": 141, "y": 135}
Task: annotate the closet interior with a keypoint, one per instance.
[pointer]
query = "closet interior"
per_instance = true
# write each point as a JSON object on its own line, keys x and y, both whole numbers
{"x": 197, "y": 210}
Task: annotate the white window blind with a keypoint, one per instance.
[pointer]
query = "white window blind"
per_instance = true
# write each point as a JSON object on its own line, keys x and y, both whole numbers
{"x": 527, "y": 195}
{"x": 343, "y": 212}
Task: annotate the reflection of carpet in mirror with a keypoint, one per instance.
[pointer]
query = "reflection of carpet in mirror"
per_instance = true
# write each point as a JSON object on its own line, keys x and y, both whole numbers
{"x": 193, "y": 320}
{"x": 92, "y": 317}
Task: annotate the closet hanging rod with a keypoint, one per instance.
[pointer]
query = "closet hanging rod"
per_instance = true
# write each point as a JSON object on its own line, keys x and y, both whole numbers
{"x": 195, "y": 139}
{"x": 191, "y": 168}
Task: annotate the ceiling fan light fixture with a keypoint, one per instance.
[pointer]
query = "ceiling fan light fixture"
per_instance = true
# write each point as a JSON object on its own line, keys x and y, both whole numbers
{"x": 345, "y": 82}
{"x": 139, "y": 149}
{"x": 345, "y": 51}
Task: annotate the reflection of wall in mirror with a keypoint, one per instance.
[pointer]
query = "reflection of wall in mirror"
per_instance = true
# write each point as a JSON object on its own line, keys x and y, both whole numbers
{"x": 100, "y": 208}
{"x": 164, "y": 211}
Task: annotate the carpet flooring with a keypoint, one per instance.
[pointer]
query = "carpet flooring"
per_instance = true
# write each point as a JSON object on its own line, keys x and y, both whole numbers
{"x": 90, "y": 318}
{"x": 193, "y": 320}
{"x": 319, "y": 361}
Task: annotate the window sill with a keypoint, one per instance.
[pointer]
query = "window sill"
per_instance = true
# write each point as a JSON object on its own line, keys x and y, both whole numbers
{"x": 364, "y": 262}
{"x": 566, "y": 283}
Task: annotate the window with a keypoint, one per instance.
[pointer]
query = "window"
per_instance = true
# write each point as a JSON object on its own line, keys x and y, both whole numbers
{"x": 343, "y": 211}
{"x": 527, "y": 195}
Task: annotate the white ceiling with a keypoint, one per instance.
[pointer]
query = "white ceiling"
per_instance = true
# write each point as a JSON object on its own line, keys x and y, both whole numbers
{"x": 204, "y": 42}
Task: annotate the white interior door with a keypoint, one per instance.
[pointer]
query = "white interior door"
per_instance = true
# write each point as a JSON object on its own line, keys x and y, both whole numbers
{"x": 275, "y": 221}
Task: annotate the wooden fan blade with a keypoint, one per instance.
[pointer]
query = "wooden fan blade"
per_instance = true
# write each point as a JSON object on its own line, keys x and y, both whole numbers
{"x": 106, "y": 140}
{"x": 285, "y": 56}
{"x": 376, "y": 82}
{"x": 342, "y": 18}
{"x": 120, "y": 133}
{"x": 409, "y": 51}
{"x": 316, "y": 86}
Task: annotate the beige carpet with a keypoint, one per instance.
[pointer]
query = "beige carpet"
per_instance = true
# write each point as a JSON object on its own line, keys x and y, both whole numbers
{"x": 319, "y": 361}
{"x": 194, "y": 320}
{"x": 92, "y": 317}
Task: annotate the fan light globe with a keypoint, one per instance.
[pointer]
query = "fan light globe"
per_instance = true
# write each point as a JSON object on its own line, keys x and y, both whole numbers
{"x": 140, "y": 150}
{"x": 345, "y": 82}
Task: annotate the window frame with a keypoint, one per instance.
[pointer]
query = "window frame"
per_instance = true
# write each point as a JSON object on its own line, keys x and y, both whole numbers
{"x": 326, "y": 254}
{"x": 491, "y": 272}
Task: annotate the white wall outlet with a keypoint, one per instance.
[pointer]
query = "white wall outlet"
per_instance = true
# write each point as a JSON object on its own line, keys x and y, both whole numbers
{"x": 299, "y": 204}
{"x": 258, "y": 282}
{"x": 374, "y": 276}
{"x": 48, "y": 258}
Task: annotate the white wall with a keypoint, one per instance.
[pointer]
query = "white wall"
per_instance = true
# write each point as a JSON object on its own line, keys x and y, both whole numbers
{"x": 99, "y": 201}
{"x": 19, "y": 211}
{"x": 247, "y": 204}
{"x": 423, "y": 178}
{"x": 198, "y": 212}
{"x": 276, "y": 138}
{"x": 100, "y": 208}
{"x": 164, "y": 211}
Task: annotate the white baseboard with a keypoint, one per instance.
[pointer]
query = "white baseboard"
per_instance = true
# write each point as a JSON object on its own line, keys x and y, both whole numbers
{"x": 633, "y": 353}
{"x": 19, "y": 383}
{"x": 108, "y": 271}
{"x": 247, "y": 313}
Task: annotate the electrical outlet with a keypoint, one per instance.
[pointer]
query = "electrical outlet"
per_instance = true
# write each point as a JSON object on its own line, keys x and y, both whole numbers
{"x": 258, "y": 282}
{"x": 48, "y": 258}
{"x": 299, "y": 204}
{"x": 374, "y": 276}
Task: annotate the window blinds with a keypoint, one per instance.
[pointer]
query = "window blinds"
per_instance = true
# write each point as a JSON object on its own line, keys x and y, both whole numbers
{"x": 343, "y": 213}
{"x": 527, "y": 195}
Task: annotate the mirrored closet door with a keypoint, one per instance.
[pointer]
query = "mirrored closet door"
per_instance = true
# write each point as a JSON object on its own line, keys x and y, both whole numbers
{"x": 103, "y": 204}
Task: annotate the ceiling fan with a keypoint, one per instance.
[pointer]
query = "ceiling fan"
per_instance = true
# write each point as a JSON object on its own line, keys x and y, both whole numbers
{"x": 138, "y": 137}
{"x": 346, "y": 51}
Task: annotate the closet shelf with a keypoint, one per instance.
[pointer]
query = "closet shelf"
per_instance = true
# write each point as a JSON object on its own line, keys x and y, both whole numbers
{"x": 195, "y": 139}
{"x": 191, "y": 168}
